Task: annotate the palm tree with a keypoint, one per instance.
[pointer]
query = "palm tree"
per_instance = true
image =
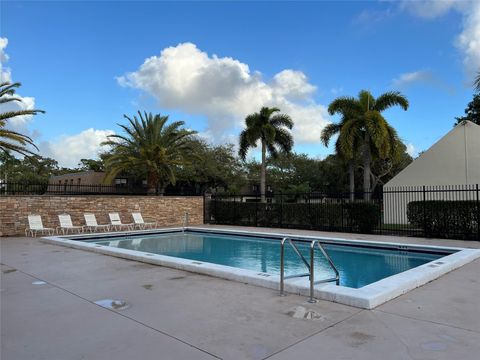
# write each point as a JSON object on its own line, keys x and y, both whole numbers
{"x": 150, "y": 146}
{"x": 364, "y": 115}
{"x": 476, "y": 83}
{"x": 271, "y": 130}
{"x": 11, "y": 140}
{"x": 346, "y": 146}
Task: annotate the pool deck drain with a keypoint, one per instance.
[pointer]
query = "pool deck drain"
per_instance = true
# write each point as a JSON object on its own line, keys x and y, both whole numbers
{"x": 202, "y": 317}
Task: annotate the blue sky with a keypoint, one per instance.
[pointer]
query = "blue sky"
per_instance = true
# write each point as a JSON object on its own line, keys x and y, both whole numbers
{"x": 216, "y": 61}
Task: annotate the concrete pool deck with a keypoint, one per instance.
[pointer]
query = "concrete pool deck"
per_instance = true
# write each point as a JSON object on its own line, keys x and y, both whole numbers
{"x": 174, "y": 314}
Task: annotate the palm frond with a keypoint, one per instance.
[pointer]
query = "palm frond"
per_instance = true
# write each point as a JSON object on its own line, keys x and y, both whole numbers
{"x": 389, "y": 99}
{"x": 284, "y": 140}
{"x": 328, "y": 132}
{"x": 343, "y": 105}
{"x": 282, "y": 120}
{"x": 476, "y": 83}
{"x": 11, "y": 114}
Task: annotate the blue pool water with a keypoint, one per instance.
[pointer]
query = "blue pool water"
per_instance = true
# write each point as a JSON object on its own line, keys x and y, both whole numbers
{"x": 358, "y": 266}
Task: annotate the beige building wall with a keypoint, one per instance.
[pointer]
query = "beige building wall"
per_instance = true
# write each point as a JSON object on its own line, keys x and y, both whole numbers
{"x": 453, "y": 161}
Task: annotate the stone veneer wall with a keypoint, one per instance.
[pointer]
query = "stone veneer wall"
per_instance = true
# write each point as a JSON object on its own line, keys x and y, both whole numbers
{"x": 167, "y": 210}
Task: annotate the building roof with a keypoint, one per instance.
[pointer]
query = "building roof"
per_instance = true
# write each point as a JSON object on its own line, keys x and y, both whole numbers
{"x": 452, "y": 160}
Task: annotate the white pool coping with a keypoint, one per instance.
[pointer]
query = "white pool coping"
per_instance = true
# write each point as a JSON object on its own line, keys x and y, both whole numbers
{"x": 367, "y": 297}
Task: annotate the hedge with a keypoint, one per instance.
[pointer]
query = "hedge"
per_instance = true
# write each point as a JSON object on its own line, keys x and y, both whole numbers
{"x": 357, "y": 217}
{"x": 444, "y": 218}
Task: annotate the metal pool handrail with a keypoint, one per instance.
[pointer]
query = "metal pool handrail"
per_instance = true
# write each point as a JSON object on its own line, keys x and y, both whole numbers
{"x": 185, "y": 221}
{"x": 310, "y": 266}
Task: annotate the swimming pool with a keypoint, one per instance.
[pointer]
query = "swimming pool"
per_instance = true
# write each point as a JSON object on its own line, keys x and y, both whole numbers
{"x": 371, "y": 273}
{"x": 358, "y": 266}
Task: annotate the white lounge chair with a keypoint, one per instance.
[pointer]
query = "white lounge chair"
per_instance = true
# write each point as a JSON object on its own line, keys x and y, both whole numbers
{"x": 116, "y": 222}
{"x": 66, "y": 225}
{"x": 35, "y": 226}
{"x": 92, "y": 225}
{"x": 141, "y": 224}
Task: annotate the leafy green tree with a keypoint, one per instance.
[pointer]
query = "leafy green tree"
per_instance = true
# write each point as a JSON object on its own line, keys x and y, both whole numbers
{"x": 272, "y": 131}
{"x": 472, "y": 112}
{"x": 364, "y": 115}
{"x": 215, "y": 167}
{"x": 91, "y": 165}
{"x": 384, "y": 169}
{"x": 33, "y": 169}
{"x": 11, "y": 140}
{"x": 292, "y": 169}
{"x": 150, "y": 146}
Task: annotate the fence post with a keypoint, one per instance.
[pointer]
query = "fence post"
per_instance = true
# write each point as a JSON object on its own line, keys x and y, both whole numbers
{"x": 341, "y": 213}
{"x": 380, "y": 208}
{"x": 424, "y": 213}
{"x": 281, "y": 209}
{"x": 204, "y": 208}
{"x": 234, "y": 209}
{"x": 256, "y": 210}
{"x": 215, "y": 208}
{"x": 478, "y": 213}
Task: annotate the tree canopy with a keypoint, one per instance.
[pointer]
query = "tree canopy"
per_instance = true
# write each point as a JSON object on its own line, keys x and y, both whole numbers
{"x": 150, "y": 146}
{"x": 472, "y": 111}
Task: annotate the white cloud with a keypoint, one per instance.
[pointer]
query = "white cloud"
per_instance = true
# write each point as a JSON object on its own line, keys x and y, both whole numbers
{"x": 421, "y": 76}
{"x": 412, "y": 150}
{"x": 409, "y": 78}
{"x": 69, "y": 149}
{"x": 18, "y": 123}
{"x": 5, "y": 72}
{"x": 225, "y": 90}
{"x": 468, "y": 41}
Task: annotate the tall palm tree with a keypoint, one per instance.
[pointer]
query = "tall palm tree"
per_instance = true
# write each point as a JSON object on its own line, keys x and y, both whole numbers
{"x": 149, "y": 146}
{"x": 379, "y": 138}
{"x": 346, "y": 146}
{"x": 11, "y": 140}
{"x": 272, "y": 130}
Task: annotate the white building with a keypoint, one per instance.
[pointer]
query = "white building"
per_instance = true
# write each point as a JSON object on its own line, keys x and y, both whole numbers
{"x": 452, "y": 163}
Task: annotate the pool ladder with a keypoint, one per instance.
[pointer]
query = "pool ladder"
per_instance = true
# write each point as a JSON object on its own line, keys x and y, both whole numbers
{"x": 185, "y": 221}
{"x": 310, "y": 266}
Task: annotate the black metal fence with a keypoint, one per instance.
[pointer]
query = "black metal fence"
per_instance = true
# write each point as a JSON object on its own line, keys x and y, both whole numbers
{"x": 423, "y": 211}
{"x": 86, "y": 189}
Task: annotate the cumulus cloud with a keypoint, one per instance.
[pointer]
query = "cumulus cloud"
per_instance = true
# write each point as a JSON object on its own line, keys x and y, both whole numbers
{"x": 225, "y": 90}
{"x": 69, "y": 149}
{"x": 468, "y": 41}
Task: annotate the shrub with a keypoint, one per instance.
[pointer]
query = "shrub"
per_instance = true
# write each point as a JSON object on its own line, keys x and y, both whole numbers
{"x": 444, "y": 218}
{"x": 362, "y": 217}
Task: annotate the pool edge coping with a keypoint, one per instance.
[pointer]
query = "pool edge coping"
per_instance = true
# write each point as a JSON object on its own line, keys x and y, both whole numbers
{"x": 367, "y": 297}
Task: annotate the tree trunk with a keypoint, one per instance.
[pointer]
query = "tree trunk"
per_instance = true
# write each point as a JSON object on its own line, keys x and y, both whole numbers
{"x": 154, "y": 185}
{"x": 263, "y": 171}
{"x": 351, "y": 173}
{"x": 367, "y": 159}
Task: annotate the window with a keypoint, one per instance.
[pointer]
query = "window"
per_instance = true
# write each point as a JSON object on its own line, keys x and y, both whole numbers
{"x": 120, "y": 182}
{"x": 79, "y": 180}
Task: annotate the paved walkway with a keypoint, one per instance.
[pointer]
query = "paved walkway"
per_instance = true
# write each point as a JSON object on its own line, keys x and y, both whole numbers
{"x": 179, "y": 315}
